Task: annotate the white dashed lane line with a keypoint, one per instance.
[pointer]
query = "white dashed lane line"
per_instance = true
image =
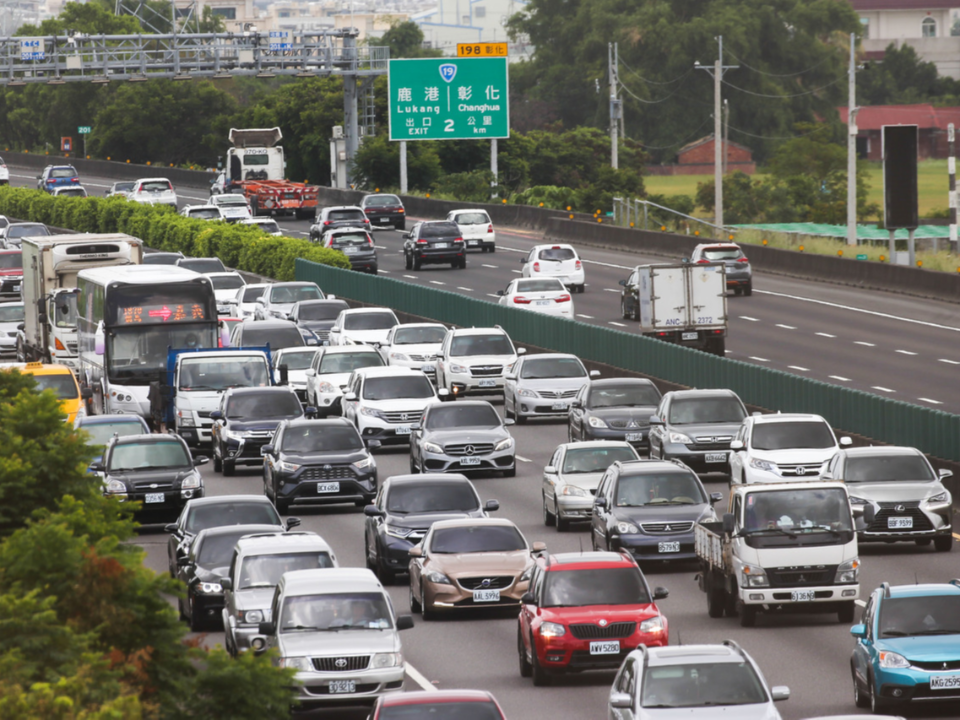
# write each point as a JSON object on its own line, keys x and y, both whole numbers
{"x": 611, "y": 290}
{"x": 759, "y": 359}
{"x": 882, "y": 389}
{"x": 492, "y": 295}
{"x": 465, "y": 289}
{"x": 518, "y": 272}
{"x": 905, "y": 352}
{"x": 841, "y": 378}
{"x": 865, "y": 344}
{"x": 797, "y": 367}
{"x": 751, "y": 319}
{"x": 611, "y": 322}
{"x": 931, "y": 401}
{"x": 523, "y": 459}
{"x": 418, "y": 678}
{"x": 492, "y": 266}
{"x": 585, "y": 317}
{"x": 437, "y": 282}
{"x": 786, "y": 327}
{"x": 949, "y": 362}
{"x": 826, "y": 335}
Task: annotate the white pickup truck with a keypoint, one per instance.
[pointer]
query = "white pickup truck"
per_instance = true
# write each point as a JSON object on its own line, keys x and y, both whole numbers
{"x": 781, "y": 548}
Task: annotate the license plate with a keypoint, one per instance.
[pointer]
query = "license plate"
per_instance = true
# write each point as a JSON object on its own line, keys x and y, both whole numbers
{"x": 328, "y": 487}
{"x": 801, "y": 596}
{"x": 560, "y": 406}
{"x": 442, "y": 245}
{"x": 715, "y": 457}
{"x": 381, "y": 219}
{"x": 668, "y": 547}
{"x": 342, "y": 686}
{"x": 428, "y": 368}
{"x": 473, "y": 242}
{"x": 944, "y": 682}
{"x": 633, "y": 437}
{"x": 488, "y": 383}
{"x": 469, "y": 461}
{"x": 350, "y": 249}
{"x": 154, "y": 498}
{"x": 486, "y": 596}
{"x": 541, "y": 302}
{"x": 688, "y": 336}
{"x": 606, "y": 647}
{"x": 902, "y": 523}
{"x": 402, "y": 430}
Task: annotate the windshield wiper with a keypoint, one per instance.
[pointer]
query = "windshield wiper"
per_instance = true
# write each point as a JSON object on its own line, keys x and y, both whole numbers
{"x": 757, "y": 531}
{"x": 198, "y": 387}
{"x": 824, "y": 528}
{"x": 258, "y": 585}
{"x": 302, "y": 627}
{"x": 938, "y": 632}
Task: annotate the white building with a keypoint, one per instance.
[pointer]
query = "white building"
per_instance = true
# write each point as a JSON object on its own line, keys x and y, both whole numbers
{"x": 931, "y": 27}
{"x": 468, "y": 21}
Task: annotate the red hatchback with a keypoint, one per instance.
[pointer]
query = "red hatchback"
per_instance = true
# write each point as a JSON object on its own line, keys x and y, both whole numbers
{"x": 438, "y": 705}
{"x": 586, "y": 611}
{"x": 11, "y": 274}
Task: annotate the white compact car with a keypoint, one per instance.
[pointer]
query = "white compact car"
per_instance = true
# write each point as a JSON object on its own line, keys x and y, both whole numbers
{"x": 476, "y": 227}
{"x": 384, "y": 403}
{"x": 267, "y": 224}
{"x": 475, "y": 360}
{"x": 153, "y": 191}
{"x": 243, "y": 303}
{"x": 559, "y": 261}
{"x": 416, "y": 346}
{"x": 785, "y": 447}
{"x": 331, "y": 368}
{"x": 362, "y": 326}
{"x": 69, "y": 191}
{"x": 234, "y": 208}
{"x": 548, "y": 296}
{"x": 226, "y": 285}
{"x": 202, "y": 212}
{"x": 298, "y": 360}
{"x": 4, "y": 173}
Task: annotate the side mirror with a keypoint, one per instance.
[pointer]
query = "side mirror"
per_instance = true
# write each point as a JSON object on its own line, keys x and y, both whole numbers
{"x": 443, "y": 393}
{"x": 266, "y": 450}
{"x": 310, "y": 411}
{"x": 170, "y": 528}
{"x": 869, "y": 514}
{"x": 509, "y": 421}
{"x": 86, "y": 393}
{"x": 521, "y": 351}
{"x": 292, "y": 523}
{"x": 780, "y": 692}
{"x": 183, "y": 561}
{"x": 350, "y": 396}
{"x": 97, "y": 466}
{"x": 226, "y": 583}
{"x": 267, "y": 628}
{"x": 216, "y": 415}
{"x": 729, "y": 523}
{"x": 373, "y": 444}
{"x": 846, "y": 442}
{"x": 539, "y": 547}
{"x": 622, "y": 283}
{"x": 715, "y": 498}
{"x": 261, "y": 301}
{"x": 600, "y": 502}
{"x": 284, "y": 374}
{"x": 416, "y": 551}
{"x": 310, "y": 372}
{"x": 660, "y": 593}
{"x": 404, "y": 622}
{"x": 594, "y": 373}
{"x": 509, "y": 376}
{"x": 736, "y": 445}
{"x": 528, "y": 599}
{"x": 859, "y": 631}
{"x": 202, "y": 460}
{"x": 945, "y": 473}
{"x": 491, "y": 505}
{"x": 373, "y": 511}
{"x": 576, "y": 404}
{"x": 621, "y": 700}
{"x": 522, "y": 260}
{"x": 656, "y": 420}
{"x": 549, "y": 470}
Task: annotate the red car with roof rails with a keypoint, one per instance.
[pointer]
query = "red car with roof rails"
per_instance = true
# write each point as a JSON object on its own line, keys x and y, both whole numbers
{"x": 586, "y": 611}
{"x": 438, "y": 705}
{"x": 11, "y": 274}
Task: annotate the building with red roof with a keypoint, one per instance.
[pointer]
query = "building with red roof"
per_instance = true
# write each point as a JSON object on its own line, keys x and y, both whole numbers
{"x": 931, "y": 121}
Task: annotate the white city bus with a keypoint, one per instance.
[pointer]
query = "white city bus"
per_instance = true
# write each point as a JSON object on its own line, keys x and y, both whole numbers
{"x": 129, "y": 317}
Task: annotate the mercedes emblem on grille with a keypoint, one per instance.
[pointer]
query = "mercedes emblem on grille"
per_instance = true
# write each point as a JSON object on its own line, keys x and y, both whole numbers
{"x": 340, "y": 663}
{"x": 801, "y": 470}
{"x": 468, "y": 450}
{"x": 899, "y": 508}
{"x": 485, "y": 583}
{"x": 603, "y": 623}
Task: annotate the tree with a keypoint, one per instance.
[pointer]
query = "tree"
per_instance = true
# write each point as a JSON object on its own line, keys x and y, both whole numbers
{"x": 902, "y": 78}
{"x": 405, "y": 40}
{"x": 90, "y": 18}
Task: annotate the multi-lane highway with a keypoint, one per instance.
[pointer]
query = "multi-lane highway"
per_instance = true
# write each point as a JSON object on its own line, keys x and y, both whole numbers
{"x": 905, "y": 348}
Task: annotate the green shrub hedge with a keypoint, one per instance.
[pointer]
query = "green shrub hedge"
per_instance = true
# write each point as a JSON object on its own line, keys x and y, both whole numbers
{"x": 243, "y": 247}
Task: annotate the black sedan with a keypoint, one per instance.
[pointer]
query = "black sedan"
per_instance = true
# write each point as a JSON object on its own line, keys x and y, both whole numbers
{"x": 155, "y": 470}
{"x": 436, "y": 242}
{"x": 246, "y": 421}
{"x": 319, "y": 462}
{"x": 220, "y": 510}
{"x": 384, "y": 210}
{"x": 614, "y": 409}
{"x": 318, "y": 316}
{"x": 207, "y": 559}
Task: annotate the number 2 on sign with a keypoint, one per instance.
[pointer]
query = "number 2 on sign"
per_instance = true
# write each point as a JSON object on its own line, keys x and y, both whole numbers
{"x": 448, "y": 125}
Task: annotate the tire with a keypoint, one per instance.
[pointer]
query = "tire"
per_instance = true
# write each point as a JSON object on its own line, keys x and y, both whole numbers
{"x": 493, "y": 248}
{"x": 385, "y": 575}
{"x": 877, "y": 704}
{"x": 454, "y": 265}
{"x": 526, "y": 669}
{"x": 428, "y": 613}
{"x": 407, "y": 262}
{"x": 229, "y": 468}
{"x": 748, "y": 289}
{"x": 580, "y": 288}
{"x": 415, "y": 606}
{"x": 283, "y": 506}
{"x": 416, "y": 263}
{"x": 944, "y": 543}
{"x": 716, "y": 598}
{"x": 846, "y": 612}
{"x": 563, "y": 525}
{"x": 860, "y": 698}
{"x": 196, "y": 622}
{"x": 400, "y": 226}
{"x": 623, "y": 310}
{"x": 549, "y": 519}
{"x": 463, "y": 263}
{"x": 748, "y": 615}
{"x": 217, "y": 463}
{"x": 541, "y": 678}
{"x": 737, "y": 290}
{"x": 512, "y": 472}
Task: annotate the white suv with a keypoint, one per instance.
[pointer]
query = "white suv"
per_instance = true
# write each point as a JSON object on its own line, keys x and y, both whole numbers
{"x": 331, "y": 370}
{"x": 782, "y": 448}
{"x": 475, "y": 360}
{"x": 384, "y": 403}
{"x": 559, "y": 261}
{"x": 153, "y": 191}
{"x": 362, "y": 326}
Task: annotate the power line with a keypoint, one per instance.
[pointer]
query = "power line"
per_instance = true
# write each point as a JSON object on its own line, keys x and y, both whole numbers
{"x": 766, "y": 137}
{"x": 786, "y": 75}
{"x": 654, "y": 82}
{"x": 676, "y": 144}
{"x": 784, "y": 97}
{"x": 647, "y": 102}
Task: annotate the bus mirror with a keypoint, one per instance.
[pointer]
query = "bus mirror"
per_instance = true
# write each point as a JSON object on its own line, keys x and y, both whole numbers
{"x": 98, "y": 345}
{"x": 224, "y": 337}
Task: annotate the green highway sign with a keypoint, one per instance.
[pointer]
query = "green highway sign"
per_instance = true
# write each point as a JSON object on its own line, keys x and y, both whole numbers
{"x": 84, "y": 129}
{"x": 448, "y": 99}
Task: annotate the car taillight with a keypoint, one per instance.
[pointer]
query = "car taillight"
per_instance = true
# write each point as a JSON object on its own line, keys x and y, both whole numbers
{"x": 76, "y": 179}
{"x": 490, "y": 228}
{"x": 562, "y": 298}
{"x": 51, "y": 180}
{"x": 421, "y": 241}
{"x": 743, "y": 259}
{"x": 458, "y": 240}
{"x": 326, "y": 222}
{"x": 366, "y": 221}
{"x": 400, "y": 210}
{"x": 369, "y": 240}
{"x": 536, "y": 267}
{"x": 521, "y": 300}
{"x": 703, "y": 262}
{"x": 579, "y": 265}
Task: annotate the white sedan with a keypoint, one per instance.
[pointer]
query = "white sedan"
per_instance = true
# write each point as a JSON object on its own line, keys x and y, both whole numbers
{"x": 234, "y": 208}
{"x": 544, "y": 295}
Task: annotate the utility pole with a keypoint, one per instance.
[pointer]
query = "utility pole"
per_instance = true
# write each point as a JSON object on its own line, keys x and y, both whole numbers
{"x": 952, "y": 202}
{"x": 852, "y": 111}
{"x": 726, "y": 136}
{"x": 612, "y": 51}
{"x": 717, "y": 72}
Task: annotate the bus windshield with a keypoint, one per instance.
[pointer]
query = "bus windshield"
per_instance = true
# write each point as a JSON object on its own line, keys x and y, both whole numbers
{"x": 136, "y": 354}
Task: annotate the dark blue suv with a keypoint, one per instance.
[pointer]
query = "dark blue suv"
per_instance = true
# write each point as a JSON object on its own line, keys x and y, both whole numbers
{"x": 54, "y": 176}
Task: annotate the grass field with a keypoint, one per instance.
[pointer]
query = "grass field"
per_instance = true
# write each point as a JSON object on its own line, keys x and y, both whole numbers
{"x": 932, "y": 185}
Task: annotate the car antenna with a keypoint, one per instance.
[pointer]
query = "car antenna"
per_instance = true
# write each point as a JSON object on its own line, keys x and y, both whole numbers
{"x": 679, "y": 639}
{"x": 580, "y": 540}
{"x": 916, "y": 580}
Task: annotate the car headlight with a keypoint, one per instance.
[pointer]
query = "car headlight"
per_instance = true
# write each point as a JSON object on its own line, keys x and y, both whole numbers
{"x": 297, "y": 663}
{"x": 504, "y": 444}
{"x": 652, "y": 625}
{"x": 386, "y": 660}
{"x": 437, "y": 578}
{"x": 234, "y": 435}
{"x": 289, "y": 467}
{"x": 848, "y": 572}
{"x": 858, "y": 501}
{"x": 625, "y": 528}
{"x": 115, "y": 487}
{"x": 399, "y": 356}
{"x": 400, "y": 532}
{"x": 432, "y": 448}
{"x": 186, "y": 419}
{"x": 753, "y": 576}
{"x": 508, "y": 368}
{"x": 365, "y": 463}
{"x": 552, "y": 629}
{"x": 209, "y": 588}
{"x": 326, "y": 387}
{"x": 370, "y": 412}
{"x": 939, "y": 498}
{"x": 596, "y": 422}
{"x": 527, "y": 574}
{"x": 680, "y": 439}
{"x": 762, "y": 465}
{"x": 459, "y": 369}
{"x": 526, "y": 392}
{"x": 893, "y": 660}
{"x": 252, "y": 617}
{"x": 575, "y": 491}
{"x": 191, "y": 481}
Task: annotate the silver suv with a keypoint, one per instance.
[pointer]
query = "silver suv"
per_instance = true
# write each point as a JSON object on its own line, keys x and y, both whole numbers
{"x": 310, "y": 608}
{"x": 466, "y": 435}
{"x": 259, "y": 561}
{"x": 908, "y": 497}
{"x": 656, "y": 682}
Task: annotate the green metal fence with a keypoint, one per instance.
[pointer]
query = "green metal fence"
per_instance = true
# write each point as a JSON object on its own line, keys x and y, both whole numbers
{"x": 885, "y": 420}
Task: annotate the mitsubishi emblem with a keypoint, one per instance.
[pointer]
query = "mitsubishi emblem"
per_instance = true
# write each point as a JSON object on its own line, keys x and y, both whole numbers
{"x": 666, "y": 528}
{"x": 603, "y": 623}
{"x": 340, "y": 663}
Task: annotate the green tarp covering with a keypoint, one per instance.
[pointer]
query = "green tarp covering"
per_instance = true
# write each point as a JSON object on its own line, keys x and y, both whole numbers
{"x": 864, "y": 232}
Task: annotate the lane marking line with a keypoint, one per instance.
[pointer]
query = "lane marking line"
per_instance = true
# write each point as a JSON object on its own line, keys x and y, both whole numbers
{"x": 751, "y": 319}
{"x": 840, "y": 377}
{"x": 865, "y": 344}
{"x": 930, "y": 400}
{"x": 611, "y": 322}
{"x": 492, "y": 266}
{"x": 437, "y": 282}
{"x": 759, "y": 359}
{"x": 882, "y": 389}
{"x": 518, "y": 272}
{"x": 418, "y": 677}
{"x": 786, "y": 327}
{"x": 412, "y": 277}
{"x": 522, "y": 459}
{"x": 586, "y": 317}
{"x": 466, "y": 289}
{"x": 905, "y": 352}
{"x": 492, "y": 295}
{"x": 610, "y": 290}
{"x": 383, "y": 271}
{"x": 949, "y": 362}
{"x": 826, "y": 335}
{"x": 956, "y": 536}
{"x": 797, "y": 367}
{"x": 861, "y": 603}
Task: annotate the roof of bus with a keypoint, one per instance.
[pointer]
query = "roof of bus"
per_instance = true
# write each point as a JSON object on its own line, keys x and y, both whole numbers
{"x": 139, "y": 274}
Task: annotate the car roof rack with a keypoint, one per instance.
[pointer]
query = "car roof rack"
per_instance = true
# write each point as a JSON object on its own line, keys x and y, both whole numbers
{"x": 734, "y": 645}
{"x": 885, "y": 586}
{"x": 955, "y": 582}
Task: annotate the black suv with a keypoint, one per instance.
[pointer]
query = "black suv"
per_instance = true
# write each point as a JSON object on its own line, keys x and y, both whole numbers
{"x": 333, "y": 217}
{"x": 649, "y": 508}
{"x": 384, "y": 210}
{"x": 319, "y": 462}
{"x": 404, "y": 510}
{"x": 246, "y": 421}
{"x": 156, "y": 470}
{"x": 614, "y": 409}
{"x": 436, "y": 242}
{"x": 278, "y": 334}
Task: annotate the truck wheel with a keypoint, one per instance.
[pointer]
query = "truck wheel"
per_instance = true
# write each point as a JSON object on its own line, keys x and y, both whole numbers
{"x": 748, "y": 614}
{"x": 860, "y": 698}
{"x": 716, "y": 598}
{"x": 217, "y": 463}
{"x": 846, "y": 611}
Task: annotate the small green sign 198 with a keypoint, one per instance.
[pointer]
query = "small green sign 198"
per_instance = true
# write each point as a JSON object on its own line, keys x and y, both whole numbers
{"x": 84, "y": 129}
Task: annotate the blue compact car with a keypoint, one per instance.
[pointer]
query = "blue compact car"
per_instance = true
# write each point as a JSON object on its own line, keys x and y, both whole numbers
{"x": 908, "y": 646}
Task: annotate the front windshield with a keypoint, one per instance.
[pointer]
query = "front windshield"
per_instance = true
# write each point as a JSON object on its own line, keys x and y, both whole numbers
{"x": 321, "y": 439}
{"x": 670, "y": 488}
{"x": 11, "y": 260}
{"x": 369, "y": 321}
{"x": 21, "y": 231}
{"x": 220, "y": 514}
{"x": 297, "y": 359}
{"x": 887, "y": 468}
{"x": 381, "y": 201}
{"x": 289, "y": 294}
{"x": 797, "y": 510}
{"x": 227, "y": 282}
{"x": 405, "y": 387}
{"x": 595, "y": 460}
{"x": 100, "y": 433}
{"x": 218, "y": 374}
{"x": 205, "y": 214}
{"x": 432, "y": 498}
{"x": 11, "y": 313}
{"x": 251, "y": 293}
{"x": 594, "y": 586}
{"x": 701, "y": 684}
{"x": 419, "y": 335}
{"x": 321, "y": 310}
{"x": 62, "y": 384}
{"x": 782, "y": 435}
{"x": 629, "y": 395}
{"x": 264, "y": 406}
{"x": 446, "y": 710}
{"x": 335, "y": 611}
{"x": 706, "y": 410}
{"x": 137, "y": 353}
{"x": 259, "y": 571}
{"x": 217, "y": 550}
{"x": 347, "y": 362}
{"x": 203, "y": 265}
{"x": 65, "y": 310}
{"x": 552, "y": 368}
{"x": 152, "y": 456}
{"x": 455, "y": 415}
{"x": 477, "y": 539}
{"x": 493, "y": 344}
{"x": 926, "y": 615}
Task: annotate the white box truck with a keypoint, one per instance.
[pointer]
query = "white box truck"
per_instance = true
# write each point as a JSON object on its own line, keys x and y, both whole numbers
{"x": 681, "y": 303}
{"x": 50, "y": 267}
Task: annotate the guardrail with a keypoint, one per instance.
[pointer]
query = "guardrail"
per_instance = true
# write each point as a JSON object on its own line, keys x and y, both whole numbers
{"x": 936, "y": 433}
